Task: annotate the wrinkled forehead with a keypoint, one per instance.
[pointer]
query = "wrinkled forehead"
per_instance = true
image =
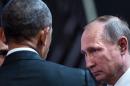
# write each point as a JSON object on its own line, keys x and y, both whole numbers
{"x": 93, "y": 30}
{"x": 92, "y": 35}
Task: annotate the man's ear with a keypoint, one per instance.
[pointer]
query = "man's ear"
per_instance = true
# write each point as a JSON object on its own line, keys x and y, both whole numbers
{"x": 44, "y": 41}
{"x": 42, "y": 37}
{"x": 123, "y": 45}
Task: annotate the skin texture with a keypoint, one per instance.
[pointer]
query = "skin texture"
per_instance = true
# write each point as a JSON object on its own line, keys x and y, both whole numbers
{"x": 43, "y": 47}
{"x": 105, "y": 60}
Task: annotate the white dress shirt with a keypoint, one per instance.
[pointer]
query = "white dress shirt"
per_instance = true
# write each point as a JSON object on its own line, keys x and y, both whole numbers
{"x": 21, "y": 49}
{"x": 124, "y": 79}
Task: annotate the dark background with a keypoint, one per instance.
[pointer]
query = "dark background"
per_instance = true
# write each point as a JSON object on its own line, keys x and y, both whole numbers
{"x": 68, "y": 22}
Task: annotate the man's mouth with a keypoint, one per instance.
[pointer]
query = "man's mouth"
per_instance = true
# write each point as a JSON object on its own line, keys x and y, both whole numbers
{"x": 96, "y": 73}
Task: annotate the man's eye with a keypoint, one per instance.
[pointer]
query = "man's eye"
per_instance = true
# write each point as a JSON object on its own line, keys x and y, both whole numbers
{"x": 93, "y": 50}
{"x": 84, "y": 53}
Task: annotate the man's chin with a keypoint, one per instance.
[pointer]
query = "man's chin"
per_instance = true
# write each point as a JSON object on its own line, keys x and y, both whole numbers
{"x": 100, "y": 77}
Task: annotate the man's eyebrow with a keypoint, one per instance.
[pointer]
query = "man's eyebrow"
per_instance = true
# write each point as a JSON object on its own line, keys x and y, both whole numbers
{"x": 87, "y": 49}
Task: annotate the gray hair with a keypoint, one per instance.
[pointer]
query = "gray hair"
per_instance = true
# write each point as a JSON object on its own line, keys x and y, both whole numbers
{"x": 115, "y": 28}
{"x": 23, "y": 19}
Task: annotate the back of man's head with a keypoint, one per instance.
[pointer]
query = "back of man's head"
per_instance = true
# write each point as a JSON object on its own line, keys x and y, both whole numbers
{"x": 23, "y": 19}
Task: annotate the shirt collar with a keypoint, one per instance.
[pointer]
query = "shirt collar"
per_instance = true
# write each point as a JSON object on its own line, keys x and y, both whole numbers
{"x": 20, "y": 49}
{"x": 124, "y": 80}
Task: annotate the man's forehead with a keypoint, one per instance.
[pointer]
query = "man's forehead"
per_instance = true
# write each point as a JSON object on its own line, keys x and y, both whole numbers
{"x": 93, "y": 33}
{"x": 95, "y": 26}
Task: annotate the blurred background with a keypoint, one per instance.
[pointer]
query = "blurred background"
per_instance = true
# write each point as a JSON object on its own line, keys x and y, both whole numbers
{"x": 69, "y": 18}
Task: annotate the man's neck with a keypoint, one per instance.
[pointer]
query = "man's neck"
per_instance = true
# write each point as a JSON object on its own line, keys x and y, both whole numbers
{"x": 125, "y": 66}
{"x": 116, "y": 76}
{"x": 13, "y": 45}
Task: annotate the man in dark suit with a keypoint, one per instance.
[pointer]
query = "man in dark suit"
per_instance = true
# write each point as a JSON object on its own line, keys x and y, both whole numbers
{"x": 28, "y": 27}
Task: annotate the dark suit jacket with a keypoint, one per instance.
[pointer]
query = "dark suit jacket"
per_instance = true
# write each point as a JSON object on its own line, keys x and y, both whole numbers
{"x": 25, "y": 68}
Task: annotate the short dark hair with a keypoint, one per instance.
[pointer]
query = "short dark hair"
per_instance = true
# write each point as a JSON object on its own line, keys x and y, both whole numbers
{"x": 23, "y": 19}
{"x": 114, "y": 28}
